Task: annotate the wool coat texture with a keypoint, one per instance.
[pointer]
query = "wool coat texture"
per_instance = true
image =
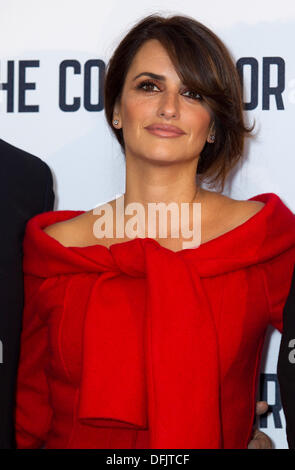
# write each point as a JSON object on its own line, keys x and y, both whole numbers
{"x": 137, "y": 346}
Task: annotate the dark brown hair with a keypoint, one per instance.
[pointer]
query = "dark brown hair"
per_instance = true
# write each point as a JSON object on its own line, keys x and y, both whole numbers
{"x": 204, "y": 65}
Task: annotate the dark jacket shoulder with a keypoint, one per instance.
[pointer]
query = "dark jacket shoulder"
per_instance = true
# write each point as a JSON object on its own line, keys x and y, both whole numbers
{"x": 25, "y": 179}
{"x": 25, "y": 190}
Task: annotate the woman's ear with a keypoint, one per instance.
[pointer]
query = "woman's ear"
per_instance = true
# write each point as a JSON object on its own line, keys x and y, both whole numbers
{"x": 211, "y": 134}
{"x": 117, "y": 121}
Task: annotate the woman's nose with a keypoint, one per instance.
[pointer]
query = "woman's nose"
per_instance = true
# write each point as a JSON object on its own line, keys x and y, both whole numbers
{"x": 169, "y": 106}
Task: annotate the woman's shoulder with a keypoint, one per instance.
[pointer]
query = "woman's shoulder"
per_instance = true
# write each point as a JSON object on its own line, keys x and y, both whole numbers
{"x": 67, "y": 232}
{"x": 239, "y": 204}
{"x": 76, "y": 231}
{"x": 45, "y": 258}
{"x": 218, "y": 209}
{"x": 231, "y": 211}
{"x": 244, "y": 209}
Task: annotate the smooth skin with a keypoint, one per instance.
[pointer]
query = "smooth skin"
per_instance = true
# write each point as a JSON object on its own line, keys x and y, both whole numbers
{"x": 162, "y": 169}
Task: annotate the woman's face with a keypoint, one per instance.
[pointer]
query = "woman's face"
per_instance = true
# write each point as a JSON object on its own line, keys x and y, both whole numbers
{"x": 146, "y": 101}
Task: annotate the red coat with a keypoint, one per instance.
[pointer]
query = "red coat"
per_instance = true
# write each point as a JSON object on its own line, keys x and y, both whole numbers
{"x": 137, "y": 346}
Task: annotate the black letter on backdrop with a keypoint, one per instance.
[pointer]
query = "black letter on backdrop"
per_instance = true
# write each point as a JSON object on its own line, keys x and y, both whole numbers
{"x": 87, "y": 84}
{"x": 254, "y": 79}
{"x": 277, "y": 90}
{"x": 9, "y": 86}
{"x": 23, "y": 86}
{"x": 276, "y": 408}
{"x": 62, "y": 85}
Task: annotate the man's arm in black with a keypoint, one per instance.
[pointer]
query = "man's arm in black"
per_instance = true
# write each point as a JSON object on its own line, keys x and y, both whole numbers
{"x": 26, "y": 189}
{"x": 286, "y": 364}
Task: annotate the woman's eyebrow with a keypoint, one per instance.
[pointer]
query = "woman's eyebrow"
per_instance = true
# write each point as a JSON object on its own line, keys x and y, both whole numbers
{"x": 152, "y": 75}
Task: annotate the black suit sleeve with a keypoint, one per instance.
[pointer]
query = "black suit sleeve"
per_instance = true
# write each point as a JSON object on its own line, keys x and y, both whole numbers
{"x": 49, "y": 194}
{"x": 286, "y": 364}
{"x": 26, "y": 189}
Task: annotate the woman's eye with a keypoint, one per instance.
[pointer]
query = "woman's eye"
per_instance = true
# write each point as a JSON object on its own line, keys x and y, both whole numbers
{"x": 195, "y": 95}
{"x": 147, "y": 86}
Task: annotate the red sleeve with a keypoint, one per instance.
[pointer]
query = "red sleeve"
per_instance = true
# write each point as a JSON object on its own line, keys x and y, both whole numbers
{"x": 278, "y": 278}
{"x": 32, "y": 412}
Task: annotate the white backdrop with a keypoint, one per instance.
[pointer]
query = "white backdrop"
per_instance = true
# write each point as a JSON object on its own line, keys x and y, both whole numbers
{"x": 88, "y": 167}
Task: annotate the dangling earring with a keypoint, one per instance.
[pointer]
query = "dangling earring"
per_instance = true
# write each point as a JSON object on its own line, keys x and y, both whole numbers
{"x": 116, "y": 121}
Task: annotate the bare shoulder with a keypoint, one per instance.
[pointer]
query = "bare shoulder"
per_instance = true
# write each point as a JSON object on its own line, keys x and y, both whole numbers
{"x": 67, "y": 232}
{"x": 239, "y": 211}
{"x": 233, "y": 211}
{"x": 77, "y": 231}
{"x": 246, "y": 209}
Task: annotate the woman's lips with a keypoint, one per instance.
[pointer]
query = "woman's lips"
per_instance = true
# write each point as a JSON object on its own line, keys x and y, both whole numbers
{"x": 164, "y": 133}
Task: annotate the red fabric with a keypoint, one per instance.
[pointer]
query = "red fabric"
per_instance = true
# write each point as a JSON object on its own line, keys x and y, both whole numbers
{"x": 137, "y": 346}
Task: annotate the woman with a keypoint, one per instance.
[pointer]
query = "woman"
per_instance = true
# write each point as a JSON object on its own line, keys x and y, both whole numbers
{"x": 134, "y": 341}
